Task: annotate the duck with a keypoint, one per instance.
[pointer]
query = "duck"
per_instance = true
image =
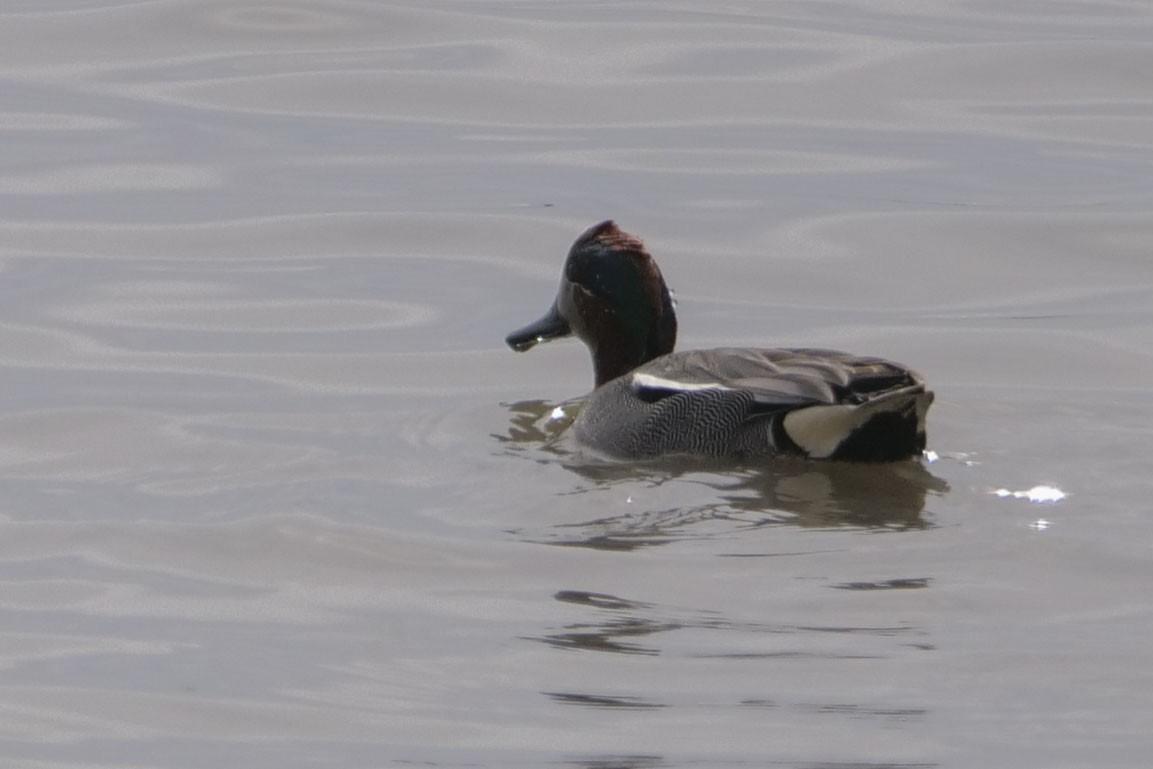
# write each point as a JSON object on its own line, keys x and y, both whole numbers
{"x": 735, "y": 403}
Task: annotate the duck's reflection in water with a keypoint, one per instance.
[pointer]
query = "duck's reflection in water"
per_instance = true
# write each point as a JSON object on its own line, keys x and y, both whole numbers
{"x": 618, "y": 762}
{"x": 621, "y": 626}
{"x": 778, "y": 491}
{"x": 652, "y": 504}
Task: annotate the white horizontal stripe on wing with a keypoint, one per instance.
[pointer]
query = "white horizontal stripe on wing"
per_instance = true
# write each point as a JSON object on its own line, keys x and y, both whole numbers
{"x": 651, "y": 382}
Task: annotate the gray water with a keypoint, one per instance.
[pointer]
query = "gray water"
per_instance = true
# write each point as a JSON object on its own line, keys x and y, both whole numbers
{"x": 274, "y": 492}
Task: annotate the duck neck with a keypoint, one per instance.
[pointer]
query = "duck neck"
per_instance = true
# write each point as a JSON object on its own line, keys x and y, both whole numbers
{"x": 612, "y": 362}
{"x": 630, "y": 347}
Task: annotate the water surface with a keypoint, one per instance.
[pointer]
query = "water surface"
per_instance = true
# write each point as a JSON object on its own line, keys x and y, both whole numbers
{"x": 274, "y": 492}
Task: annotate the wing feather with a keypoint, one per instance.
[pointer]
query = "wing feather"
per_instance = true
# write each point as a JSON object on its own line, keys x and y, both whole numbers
{"x": 777, "y": 379}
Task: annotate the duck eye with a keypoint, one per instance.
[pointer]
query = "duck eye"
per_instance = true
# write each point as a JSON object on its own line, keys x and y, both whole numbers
{"x": 611, "y": 277}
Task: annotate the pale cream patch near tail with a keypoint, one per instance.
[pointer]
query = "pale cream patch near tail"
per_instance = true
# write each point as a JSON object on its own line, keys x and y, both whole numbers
{"x": 820, "y": 430}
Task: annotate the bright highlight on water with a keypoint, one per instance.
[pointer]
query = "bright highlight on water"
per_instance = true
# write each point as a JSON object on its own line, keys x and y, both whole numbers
{"x": 1035, "y": 494}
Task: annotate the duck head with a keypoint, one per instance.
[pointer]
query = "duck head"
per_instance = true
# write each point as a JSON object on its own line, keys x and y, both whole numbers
{"x": 613, "y": 298}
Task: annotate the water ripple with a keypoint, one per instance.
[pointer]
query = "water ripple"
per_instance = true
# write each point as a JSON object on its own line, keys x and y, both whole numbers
{"x": 258, "y": 260}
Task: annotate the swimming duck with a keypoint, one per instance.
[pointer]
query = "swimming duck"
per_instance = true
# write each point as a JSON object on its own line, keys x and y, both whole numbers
{"x": 738, "y": 403}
